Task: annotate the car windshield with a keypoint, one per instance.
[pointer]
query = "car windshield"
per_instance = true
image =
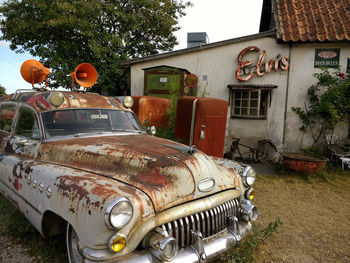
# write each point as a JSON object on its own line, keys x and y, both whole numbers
{"x": 85, "y": 121}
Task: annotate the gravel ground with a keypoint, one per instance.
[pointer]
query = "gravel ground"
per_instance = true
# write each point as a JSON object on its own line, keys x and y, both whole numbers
{"x": 13, "y": 252}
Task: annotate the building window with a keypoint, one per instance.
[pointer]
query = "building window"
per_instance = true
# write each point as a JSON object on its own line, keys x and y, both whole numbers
{"x": 250, "y": 100}
{"x": 249, "y": 103}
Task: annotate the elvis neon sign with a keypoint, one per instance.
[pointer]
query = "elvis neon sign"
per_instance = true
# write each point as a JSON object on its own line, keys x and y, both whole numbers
{"x": 262, "y": 67}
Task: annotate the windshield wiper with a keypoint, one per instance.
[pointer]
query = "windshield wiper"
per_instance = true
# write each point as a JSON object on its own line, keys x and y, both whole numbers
{"x": 126, "y": 130}
{"x": 87, "y": 133}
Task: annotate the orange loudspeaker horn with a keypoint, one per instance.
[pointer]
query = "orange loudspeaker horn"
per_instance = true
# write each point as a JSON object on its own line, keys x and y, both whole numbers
{"x": 85, "y": 75}
{"x": 34, "y": 72}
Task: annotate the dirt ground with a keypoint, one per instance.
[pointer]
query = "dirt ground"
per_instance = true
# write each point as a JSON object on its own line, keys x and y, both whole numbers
{"x": 315, "y": 215}
{"x": 13, "y": 252}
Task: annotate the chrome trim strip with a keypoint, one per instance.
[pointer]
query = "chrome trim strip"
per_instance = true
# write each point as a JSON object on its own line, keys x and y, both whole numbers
{"x": 187, "y": 225}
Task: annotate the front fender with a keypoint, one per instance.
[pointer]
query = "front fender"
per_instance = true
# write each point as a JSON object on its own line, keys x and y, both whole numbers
{"x": 81, "y": 199}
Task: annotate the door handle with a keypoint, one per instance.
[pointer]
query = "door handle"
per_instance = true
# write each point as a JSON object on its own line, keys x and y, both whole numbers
{"x": 202, "y": 134}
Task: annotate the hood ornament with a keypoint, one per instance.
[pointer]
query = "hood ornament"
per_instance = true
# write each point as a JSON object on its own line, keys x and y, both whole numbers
{"x": 193, "y": 149}
{"x": 183, "y": 148}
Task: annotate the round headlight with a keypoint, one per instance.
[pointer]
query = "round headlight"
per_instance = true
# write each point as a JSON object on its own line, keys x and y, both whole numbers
{"x": 128, "y": 101}
{"x": 56, "y": 99}
{"x": 249, "y": 176}
{"x": 119, "y": 213}
{"x": 117, "y": 243}
{"x": 250, "y": 194}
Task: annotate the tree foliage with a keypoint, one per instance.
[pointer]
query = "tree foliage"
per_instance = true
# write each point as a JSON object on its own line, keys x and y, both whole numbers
{"x": 66, "y": 33}
{"x": 2, "y": 90}
{"x": 328, "y": 102}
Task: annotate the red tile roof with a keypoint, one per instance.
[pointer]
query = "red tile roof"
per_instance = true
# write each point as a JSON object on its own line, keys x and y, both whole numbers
{"x": 312, "y": 20}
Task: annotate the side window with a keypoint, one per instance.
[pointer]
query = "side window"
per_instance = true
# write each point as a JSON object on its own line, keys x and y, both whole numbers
{"x": 27, "y": 124}
{"x": 7, "y": 114}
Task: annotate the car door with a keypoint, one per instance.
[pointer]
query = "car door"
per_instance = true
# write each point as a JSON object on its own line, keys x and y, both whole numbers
{"x": 18, "y": 150}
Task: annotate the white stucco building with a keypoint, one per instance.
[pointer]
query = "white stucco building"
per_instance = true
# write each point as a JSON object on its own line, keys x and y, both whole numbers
{"x": 261, "y": 106}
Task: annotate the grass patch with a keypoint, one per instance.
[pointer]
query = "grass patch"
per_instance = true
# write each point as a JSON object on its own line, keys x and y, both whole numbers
{"x": 245, "y": 252}
{"x": 15, "y": 225}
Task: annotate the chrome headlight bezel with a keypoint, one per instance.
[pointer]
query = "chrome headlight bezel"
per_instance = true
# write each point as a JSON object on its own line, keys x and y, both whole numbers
{"x": 110, "y": 212}
{"x": 248, "y": 176}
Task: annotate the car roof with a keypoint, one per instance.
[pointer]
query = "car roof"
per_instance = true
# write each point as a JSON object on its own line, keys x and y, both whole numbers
{"x": 40, "y": 100}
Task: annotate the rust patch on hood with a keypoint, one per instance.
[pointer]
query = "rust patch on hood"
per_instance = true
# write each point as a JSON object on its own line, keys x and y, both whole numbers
{"x": 91, "y": 189}
{"x": 166, "y": 174}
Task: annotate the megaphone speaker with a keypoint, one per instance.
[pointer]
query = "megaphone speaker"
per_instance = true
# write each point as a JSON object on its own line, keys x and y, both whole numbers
{"x": 33, "y": 71}
{"x": 85, "y": 75}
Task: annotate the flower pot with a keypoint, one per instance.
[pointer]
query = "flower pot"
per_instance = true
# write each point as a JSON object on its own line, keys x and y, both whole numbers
{"x": 305, "y": 163}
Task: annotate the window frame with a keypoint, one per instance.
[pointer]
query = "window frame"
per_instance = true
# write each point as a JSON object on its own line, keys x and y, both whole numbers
{"x": 13, "y": 123}
{"x": 258, "y": 115}
{"x": 38, "y": 120}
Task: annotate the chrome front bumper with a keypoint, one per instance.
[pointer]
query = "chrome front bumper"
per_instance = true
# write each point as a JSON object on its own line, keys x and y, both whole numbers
{"x": 201, "y": 251}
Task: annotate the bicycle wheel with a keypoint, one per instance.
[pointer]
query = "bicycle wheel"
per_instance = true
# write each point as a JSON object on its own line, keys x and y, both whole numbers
{"x": 264, "y": 148}
{"x": 233, "y": 149}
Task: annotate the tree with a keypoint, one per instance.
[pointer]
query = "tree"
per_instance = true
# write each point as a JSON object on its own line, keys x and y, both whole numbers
{"x": 2, "y": 90}
{"x": 66, "y": 33}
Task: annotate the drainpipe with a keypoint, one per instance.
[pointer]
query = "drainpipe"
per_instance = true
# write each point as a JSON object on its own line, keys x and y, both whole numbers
{"x": 286, "y": 102}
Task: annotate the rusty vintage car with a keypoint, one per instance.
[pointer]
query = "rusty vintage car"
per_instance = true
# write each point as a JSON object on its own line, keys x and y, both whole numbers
{"x": 81, "y": 164}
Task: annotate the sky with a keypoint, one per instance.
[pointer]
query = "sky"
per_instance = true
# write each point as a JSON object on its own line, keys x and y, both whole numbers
{"x": 220, "y": 19}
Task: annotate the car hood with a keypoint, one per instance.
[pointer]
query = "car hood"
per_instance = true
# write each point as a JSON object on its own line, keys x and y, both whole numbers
{"x": 162, "y": 169}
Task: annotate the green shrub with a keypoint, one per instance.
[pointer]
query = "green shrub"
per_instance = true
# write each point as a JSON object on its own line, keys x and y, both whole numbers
{"x": 245, "y": 252}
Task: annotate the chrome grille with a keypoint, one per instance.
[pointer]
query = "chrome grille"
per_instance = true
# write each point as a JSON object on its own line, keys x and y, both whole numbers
{"x": 207, "y": 222}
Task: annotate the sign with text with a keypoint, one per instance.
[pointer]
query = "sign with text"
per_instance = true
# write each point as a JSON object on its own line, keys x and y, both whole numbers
{"x": 244, "y": 73}
{"x": 327, "y": 58}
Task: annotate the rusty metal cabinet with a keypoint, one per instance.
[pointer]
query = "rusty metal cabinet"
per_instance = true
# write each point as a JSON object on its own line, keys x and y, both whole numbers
{"x": 151, "y": 110}
{"x": 202, "y": 122}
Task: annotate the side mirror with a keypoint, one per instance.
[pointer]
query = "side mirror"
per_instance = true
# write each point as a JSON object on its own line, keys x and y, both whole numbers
{"x": 151, "y": 130}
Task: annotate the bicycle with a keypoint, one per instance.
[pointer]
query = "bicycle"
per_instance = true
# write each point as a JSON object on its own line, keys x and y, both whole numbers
{"x": 260, "y": 153}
